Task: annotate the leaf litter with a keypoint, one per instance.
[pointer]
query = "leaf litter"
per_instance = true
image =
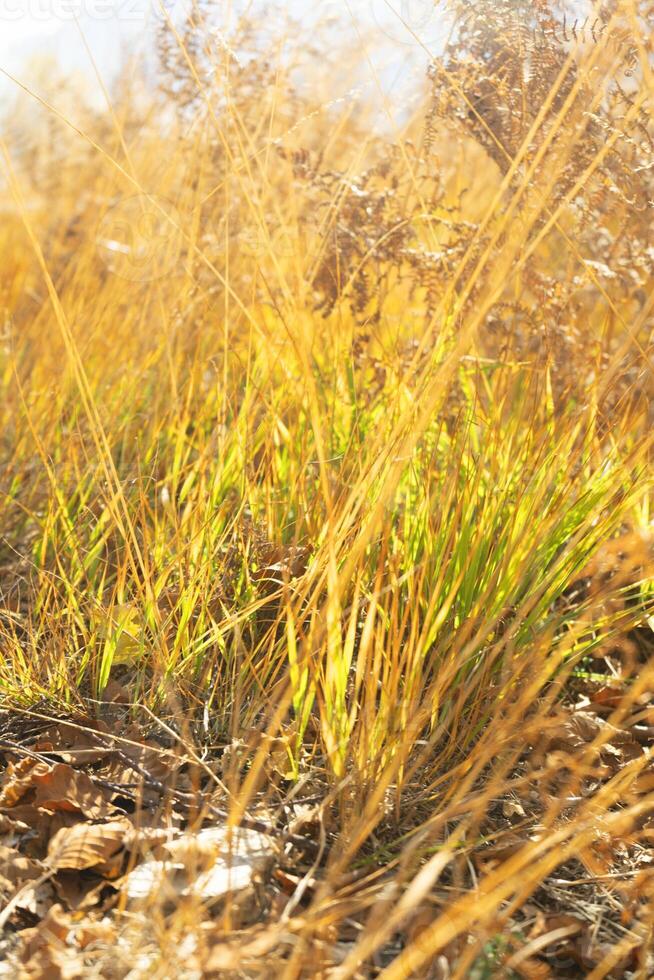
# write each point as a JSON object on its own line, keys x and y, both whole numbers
{"x": 106, "y": 840}
{"x": 76, "y": 845}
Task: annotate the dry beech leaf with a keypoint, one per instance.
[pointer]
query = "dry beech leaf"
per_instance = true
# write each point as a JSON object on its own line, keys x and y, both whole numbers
{"x": 157, "y": 763}
{"x": 116, "y": 693}
{"x": 18, "y": 781}
{"x": 55, "y": 926}
{"x": 55, "y": 963}
{"x": 10, "y": 828}
{"x": 89, "y": 932}
{"x": 88, "y": 845}
{"x": 53, "y": 787}
{"x": 79, "y": 893}
{"x": 45, "y": 952}
{"x": 63, "y": 788}
{"x": 16, "y": 868}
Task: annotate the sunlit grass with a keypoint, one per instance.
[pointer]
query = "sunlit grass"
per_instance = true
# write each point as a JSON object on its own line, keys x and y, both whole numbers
{"x": 258, "y": 489}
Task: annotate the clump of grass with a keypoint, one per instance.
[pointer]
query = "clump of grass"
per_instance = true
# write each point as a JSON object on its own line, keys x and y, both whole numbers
{"x": 342, "y": 441}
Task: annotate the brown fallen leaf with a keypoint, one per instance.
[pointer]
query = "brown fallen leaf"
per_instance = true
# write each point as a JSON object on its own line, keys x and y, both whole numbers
{"x": 116, "y": 693}
{"x": 547, "y": 932}
{"x": 54, "y": 963}
{"x": 17, "y": 872}
{"x": 513, "y": 809}
{"x": 78, "y": 892}
{"x": 598, "y": 857}
{"x": 77, "y": 743}
{"x": 10, "y": 826}
{"x": 605, "y": 696}
{"x": 17, "y": 781}
{"x": 53, "y": 787}
{"x": 16, "y": 868}
{"x": 64, "y": 788}
{"x": 89, "y": 933}
{"x": 89, "y": 845}
{"x": 44, "y": 951}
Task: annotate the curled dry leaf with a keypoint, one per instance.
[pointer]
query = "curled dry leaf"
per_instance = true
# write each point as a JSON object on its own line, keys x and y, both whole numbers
{"x": 53, "y": 787}
{"x": 64, "y": 788}
{"x": 18, "y": 781}
{"x": 513, "y": 809}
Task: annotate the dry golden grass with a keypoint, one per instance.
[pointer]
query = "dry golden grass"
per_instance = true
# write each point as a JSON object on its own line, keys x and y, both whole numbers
{"x": 326, "y": 463}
